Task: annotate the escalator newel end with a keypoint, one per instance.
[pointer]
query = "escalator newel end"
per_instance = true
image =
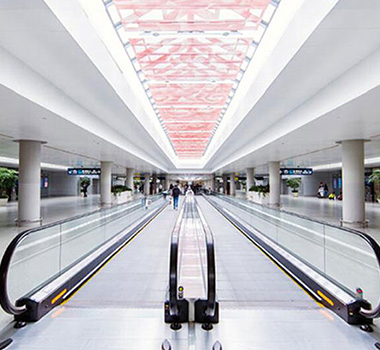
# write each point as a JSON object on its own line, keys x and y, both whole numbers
{"x": 366, "y": 328}
{"x": 166, "y": 345}
{"x": 217, "y": 346}
{"x": 377, "y": 345}
{"x": 5, "y": 343}
{"x": 175, "y": 326}
{"x": 207, "y": 327}
{"x": 20, "y": 324}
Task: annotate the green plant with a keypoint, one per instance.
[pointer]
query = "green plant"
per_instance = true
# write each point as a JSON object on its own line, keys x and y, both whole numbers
{"x": 119, "y": 189}
{"x": 260, "y": 189}
{"x": 8, "y": 179}
{"x": 375, "y": 178}
{"x": 294, "y": 183}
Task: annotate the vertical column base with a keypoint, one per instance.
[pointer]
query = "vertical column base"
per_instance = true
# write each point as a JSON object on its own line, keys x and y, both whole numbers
{"x": 28, "y": 223}
{"x": 274, "y": 205}
{"x": 105, "y": 205}
{"x": 353, "y": 224}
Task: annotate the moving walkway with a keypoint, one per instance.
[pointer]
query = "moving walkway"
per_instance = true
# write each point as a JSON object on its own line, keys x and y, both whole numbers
{"x": 121, "y": 306}
{"x": 43, "y": 266}
{"x": 192, "y": 280}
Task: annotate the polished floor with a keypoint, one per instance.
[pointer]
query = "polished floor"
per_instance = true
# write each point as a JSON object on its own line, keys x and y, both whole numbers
{"x": 328, "y": 211}
{"x": 122, "y": 306}
{"x": 331, "y": 211}
{"x": 52, "y": 209}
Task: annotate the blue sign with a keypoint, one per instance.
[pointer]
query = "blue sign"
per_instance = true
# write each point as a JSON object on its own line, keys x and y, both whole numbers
{"x": 296, "y": 171}
{"x": 83, "y": 171}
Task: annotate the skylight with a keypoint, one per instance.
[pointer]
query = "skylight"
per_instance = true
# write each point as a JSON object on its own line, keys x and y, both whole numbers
{"x": 190, "y": 57}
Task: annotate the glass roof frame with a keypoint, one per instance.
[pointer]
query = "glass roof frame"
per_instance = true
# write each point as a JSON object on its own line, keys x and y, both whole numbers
{"x": 189, "y": 55}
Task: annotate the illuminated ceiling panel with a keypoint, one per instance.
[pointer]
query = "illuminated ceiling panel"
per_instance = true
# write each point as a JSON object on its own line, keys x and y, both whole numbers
{"x": 190, "y": 57}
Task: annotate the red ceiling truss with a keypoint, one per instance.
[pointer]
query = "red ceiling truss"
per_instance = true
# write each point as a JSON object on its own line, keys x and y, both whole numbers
{"x": 190, "y": 54}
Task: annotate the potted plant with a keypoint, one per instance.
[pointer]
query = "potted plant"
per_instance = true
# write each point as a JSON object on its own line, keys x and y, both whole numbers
{"x": 121, "y": 193}
{"x": 84, "y": 183}
{"x": 294, "y": 184}
{"x": 375, "y": 178}
{"x": 258, "y": 193}
{"x": 8, "y": 179}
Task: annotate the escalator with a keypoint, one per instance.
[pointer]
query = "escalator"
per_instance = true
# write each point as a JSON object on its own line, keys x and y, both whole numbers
{"x": 321, "y": 277}
{"x": 240, "y": 275}
{"x": 115, "y": 292}
{"x": 192, "y": 279}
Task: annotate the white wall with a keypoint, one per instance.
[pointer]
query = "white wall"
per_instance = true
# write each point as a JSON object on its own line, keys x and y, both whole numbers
{"x": 61, "y": 184}
{"x": 309, "y": 185}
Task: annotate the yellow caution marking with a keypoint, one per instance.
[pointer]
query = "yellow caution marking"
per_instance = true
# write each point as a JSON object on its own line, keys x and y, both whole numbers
{"x": 59, "y": 296}
{"x": 297, "y": 283}
{"x": 58, "y": 312}
{"x": 115, "y": 254}
{"x": 325, "y": 298}
{"x": 327, "y": 314}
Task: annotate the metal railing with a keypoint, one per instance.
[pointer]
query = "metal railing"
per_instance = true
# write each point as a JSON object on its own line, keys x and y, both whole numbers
{"x": 284, "y": 218}
{"x": 97, "y": 218}
{"x": 210, "y": 313}
{"x": 177, "y": 309}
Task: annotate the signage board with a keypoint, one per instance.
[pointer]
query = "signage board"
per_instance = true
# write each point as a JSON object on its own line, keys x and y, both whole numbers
{"x": 83, "y": 171}
{"x": 296, "y": 171}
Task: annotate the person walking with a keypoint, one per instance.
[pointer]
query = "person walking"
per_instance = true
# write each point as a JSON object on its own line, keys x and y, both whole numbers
{"x": 175, "y": 194}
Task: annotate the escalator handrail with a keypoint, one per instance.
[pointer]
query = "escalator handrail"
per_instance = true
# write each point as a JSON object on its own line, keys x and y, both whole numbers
{"x": 5, "y": 301}
{"x": 374, "y": 312}
{"x": 211, "y": 269}
{"x": 173, "y": 269}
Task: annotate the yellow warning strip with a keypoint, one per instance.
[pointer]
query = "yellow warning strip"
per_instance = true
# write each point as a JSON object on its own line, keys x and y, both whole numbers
{"x": 59, "y": 296}
{"x": 114, "y": 254}
{"x": 325, "y": 298}
{"x": 270, "y": 258}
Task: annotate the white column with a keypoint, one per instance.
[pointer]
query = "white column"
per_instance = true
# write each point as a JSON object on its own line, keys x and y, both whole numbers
{"x": 129, "y": 178}
{"x": 232, "y": 185}
{"x": 250, "y": 178}
{"x": 167, "y": 182}
{"x": 353, "y": 183}
{"x": 212, "y": 182}
{"x": 274, "y": 184}
{"x": 29, "y": 193}
{"x": 154, "y": 183}
{"x": 105, "y": 183}
{"x": 147, "y": 184}
{"x": 224, "y": 177}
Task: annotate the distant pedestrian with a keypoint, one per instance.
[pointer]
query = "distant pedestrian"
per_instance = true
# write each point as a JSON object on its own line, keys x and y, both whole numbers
{"x": 325, "y": 190}
{"x": 321, "y": 190}
{"x": 175, "y": 194}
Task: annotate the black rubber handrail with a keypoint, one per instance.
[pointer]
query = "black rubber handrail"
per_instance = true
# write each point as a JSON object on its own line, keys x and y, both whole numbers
{"x": 211, "y": 310}
{"x": 5, "y": 301}
{"x": 211, "y": 269}
{"x": 173, "y": 269}
{"x": 374, "y": 312}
